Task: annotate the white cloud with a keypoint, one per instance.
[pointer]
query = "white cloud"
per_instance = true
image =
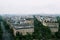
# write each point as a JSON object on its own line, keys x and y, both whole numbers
{"x": 30, "y": 6}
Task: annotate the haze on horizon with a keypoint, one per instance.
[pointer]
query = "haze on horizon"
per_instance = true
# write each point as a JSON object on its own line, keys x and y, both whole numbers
{"x": 29, "y": 6}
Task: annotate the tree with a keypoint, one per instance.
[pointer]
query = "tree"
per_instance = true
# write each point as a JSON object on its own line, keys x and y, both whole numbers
{"x": 40, "y": 31}
{"x": 19, "y": 36}
{"x": 1, "y": 32}
{"x": 57, "y": 34}
{"x": 28, "y": 37}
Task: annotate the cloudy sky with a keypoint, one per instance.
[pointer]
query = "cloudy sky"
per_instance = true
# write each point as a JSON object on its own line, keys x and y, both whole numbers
{"x": 29, "y": 6}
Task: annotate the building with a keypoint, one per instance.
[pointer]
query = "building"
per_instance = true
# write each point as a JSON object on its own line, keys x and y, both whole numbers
{"x": 22, "y": 25}
{"x": 53, "y": 26}
{"x": 24, "y": 31}
{"x": 50, "y": 22}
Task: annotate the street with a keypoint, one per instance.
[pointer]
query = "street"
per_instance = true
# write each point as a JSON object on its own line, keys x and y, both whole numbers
{"x": 6, "y": 34}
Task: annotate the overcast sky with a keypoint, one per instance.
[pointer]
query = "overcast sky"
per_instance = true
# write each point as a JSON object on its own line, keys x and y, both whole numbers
{"x": 29, "y": 6}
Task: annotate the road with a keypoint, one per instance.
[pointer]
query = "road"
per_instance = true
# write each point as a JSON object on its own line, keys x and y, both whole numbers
{"x": 6, "y": 34}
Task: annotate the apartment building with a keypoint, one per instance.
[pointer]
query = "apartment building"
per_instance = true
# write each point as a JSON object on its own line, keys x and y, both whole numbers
{"x": 50, "y": 22}
{"x": 22, "y": 25}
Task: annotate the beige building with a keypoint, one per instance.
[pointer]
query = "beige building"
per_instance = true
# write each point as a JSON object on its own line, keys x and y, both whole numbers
{"x": 24, "y": 31}
{"x": 21, "y": 24}
{"x": 53, "y": 26}
{"x": 24, "y": 27}
{"x": 50, "y": 22}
